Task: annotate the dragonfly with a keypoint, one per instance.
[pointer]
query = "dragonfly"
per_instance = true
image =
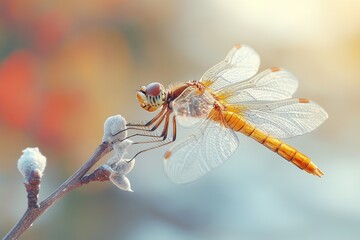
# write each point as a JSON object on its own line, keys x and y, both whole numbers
{"x": 229, "y": 98}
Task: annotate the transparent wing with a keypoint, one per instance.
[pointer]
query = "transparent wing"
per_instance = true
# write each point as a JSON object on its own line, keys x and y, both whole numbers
{"x": 199, "y": 153}
{"x": 241, "y": 63}
{"x": 286, "y": 118}
{"x": 269, "y": 85}
{"x": 192, "y": 107}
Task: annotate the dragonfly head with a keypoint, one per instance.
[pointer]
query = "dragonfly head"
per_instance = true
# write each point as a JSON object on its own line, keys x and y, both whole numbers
{"x": 152, "y": 96}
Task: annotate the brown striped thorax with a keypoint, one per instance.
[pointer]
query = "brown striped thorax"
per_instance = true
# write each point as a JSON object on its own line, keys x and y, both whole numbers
{"x": 152, "y": 96}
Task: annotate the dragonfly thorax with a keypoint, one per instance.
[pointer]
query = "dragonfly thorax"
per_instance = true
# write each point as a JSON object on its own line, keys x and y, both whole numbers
{"x": 152, "y": 96}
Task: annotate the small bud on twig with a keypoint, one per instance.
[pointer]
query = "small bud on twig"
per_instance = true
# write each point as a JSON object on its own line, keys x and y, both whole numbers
{"x": 118, "y": 178}
{"x": 120, "y": 149}
{"x": 32, "y": 165}
{"x": 30, "y": 161}
{"x": 113, "y": 127}
{"x": 120, "y": 166}
{"x": 116, "y": 167}
{"x": 121, "y": 182}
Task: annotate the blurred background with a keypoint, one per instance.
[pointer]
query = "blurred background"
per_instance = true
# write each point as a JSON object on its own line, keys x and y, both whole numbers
{"x": 65, "y": 66}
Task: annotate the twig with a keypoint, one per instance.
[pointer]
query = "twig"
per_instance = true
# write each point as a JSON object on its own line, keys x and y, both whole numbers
{"x": 32, "y": 213}
{"x": 33, "y": 188}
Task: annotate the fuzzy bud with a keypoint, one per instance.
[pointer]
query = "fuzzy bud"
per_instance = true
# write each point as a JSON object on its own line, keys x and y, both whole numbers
{"x": 119, "y": 170}
{"x": 119, "y": 167}
{"x": 31, "y": 161}
{"x": 121, "y": 182}
{"x": 120, "y": 149}
{"x": 112, "y": 127}
{"x": 123, "y": 167}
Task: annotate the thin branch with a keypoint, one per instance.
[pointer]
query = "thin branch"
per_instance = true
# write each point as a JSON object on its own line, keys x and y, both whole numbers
{"x": 70, "y": 184}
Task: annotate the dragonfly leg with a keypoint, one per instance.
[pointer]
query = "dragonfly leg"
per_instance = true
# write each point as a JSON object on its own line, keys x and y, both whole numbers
{"x": 161, "y": 145}
{"x": 152, "y": 121}
{"x": 143, "y": 127}
{"x": 163, "y": 133}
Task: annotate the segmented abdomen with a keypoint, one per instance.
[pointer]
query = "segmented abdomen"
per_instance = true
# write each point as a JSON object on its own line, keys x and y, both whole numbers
{"x": 239, "y": 124}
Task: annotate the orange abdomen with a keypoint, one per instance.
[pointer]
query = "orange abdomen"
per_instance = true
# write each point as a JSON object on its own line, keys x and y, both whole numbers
{"x": 238, "y": 124}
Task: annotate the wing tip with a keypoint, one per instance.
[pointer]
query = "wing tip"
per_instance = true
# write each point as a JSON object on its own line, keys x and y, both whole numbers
{"x": 167, "y": 155}
{"x": 303, "y": 100}
{"x": 325, "y": 115}
{"x": 237, "y": 46}
{"x": 275, "y": 69}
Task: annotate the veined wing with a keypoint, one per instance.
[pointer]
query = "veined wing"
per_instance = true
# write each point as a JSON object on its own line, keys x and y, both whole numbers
{"x": 286, "y": 118}
{"x": 192, "y": 107}
{"x": 241, "y": 63}
{"x": 269, "y": 85}
{"x": 199, "y": 153}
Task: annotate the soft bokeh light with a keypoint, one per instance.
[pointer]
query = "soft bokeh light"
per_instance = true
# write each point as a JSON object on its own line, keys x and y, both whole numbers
{"x": 65, "y": 66}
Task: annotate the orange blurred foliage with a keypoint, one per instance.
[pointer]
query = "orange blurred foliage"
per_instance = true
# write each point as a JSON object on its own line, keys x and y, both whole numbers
{"x": 17, "y": 79}
{"x": 25, "y": 106}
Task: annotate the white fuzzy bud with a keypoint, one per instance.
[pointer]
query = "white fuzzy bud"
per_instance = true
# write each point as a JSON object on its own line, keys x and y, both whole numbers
{"x": 119, "y": 170}
{"x": 31, "y": 160}
{"x": 112, "y": 126}
{"x": 119, "y": 167}
{"x": 121, "y": 182}
{"x": 123, "y": 167}
{"x": 120, "y": 149}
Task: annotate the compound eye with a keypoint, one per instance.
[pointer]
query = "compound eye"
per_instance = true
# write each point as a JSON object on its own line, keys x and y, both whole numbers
{"x": 153, "y": 89}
